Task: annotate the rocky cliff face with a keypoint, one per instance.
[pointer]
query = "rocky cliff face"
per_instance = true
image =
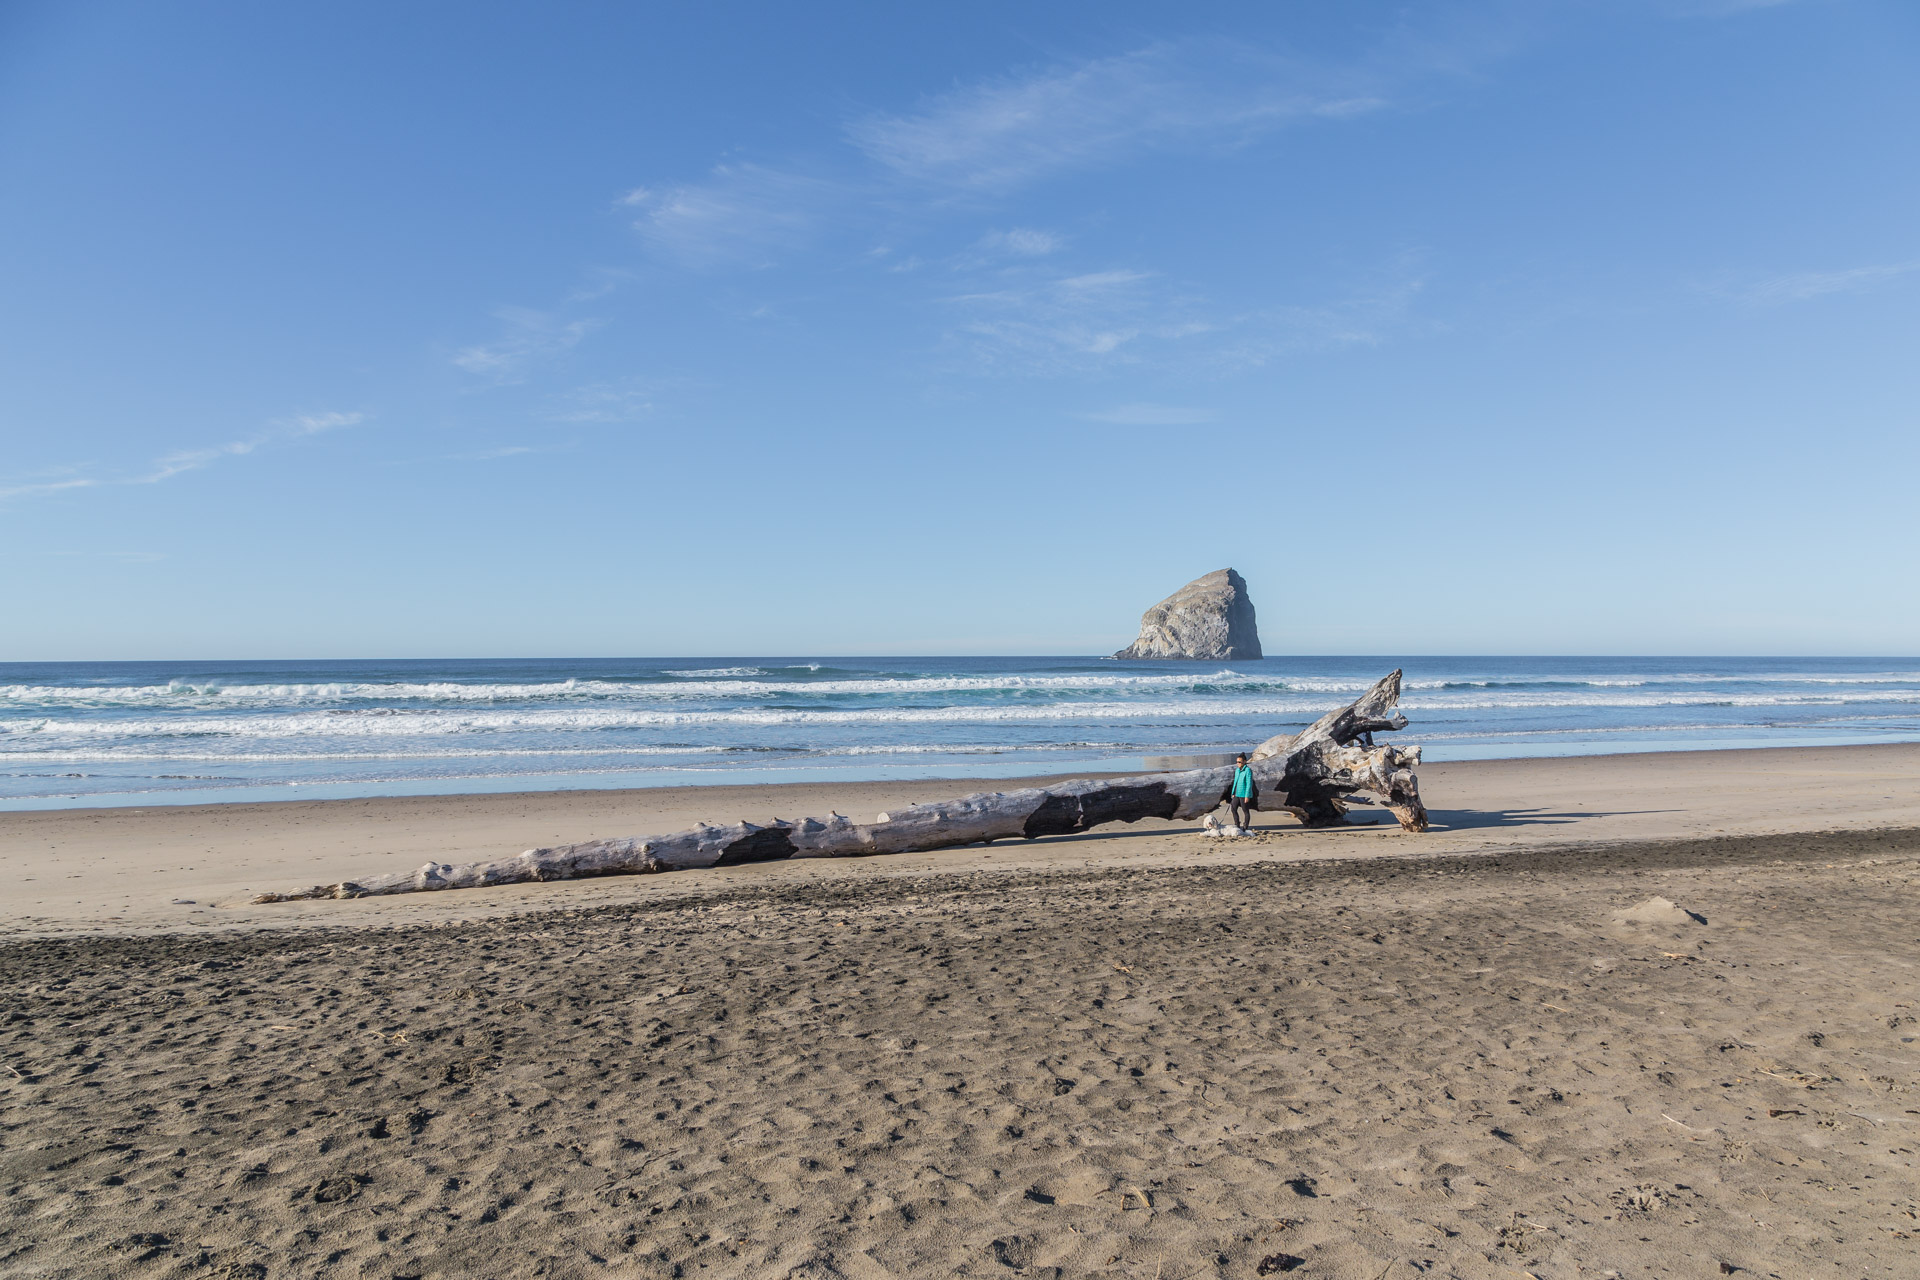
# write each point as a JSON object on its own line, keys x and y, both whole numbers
{"x": 1208, "y": 619}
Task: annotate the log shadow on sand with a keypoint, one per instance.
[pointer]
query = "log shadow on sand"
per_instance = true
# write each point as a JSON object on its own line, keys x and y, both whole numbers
{"x": 1482, "y": 819}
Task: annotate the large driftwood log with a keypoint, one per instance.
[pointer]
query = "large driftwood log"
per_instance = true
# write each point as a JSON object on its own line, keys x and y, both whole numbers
{"x": 1319, "y": 770}
{"x": 1311, "y": 774}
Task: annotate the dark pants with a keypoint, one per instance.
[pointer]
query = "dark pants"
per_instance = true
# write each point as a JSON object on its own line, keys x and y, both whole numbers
{"x": 1241, "y": 810}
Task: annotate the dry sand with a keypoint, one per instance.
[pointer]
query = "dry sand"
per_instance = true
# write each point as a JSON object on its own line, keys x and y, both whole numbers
{"x": 1647, "y": 1015}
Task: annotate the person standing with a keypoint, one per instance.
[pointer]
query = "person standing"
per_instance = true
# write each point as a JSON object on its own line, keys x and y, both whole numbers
{"x": 1244, "y": 794}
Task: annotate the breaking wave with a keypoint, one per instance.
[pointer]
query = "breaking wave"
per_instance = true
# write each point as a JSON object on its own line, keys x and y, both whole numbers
{"x": 733, "y": 683}
{"x": 351, "y": 724}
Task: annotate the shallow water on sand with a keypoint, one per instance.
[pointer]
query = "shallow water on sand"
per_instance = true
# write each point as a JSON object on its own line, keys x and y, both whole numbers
{"x": 192, "y": 732}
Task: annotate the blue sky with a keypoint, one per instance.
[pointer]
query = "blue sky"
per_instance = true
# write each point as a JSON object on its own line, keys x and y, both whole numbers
{"x": 472, "y": 329}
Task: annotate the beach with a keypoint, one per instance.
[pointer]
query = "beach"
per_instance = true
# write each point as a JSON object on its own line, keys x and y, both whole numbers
{"x": 193, "y": 867}
{"x": 1638, "y": 1014}
{"x": 892, "y": 642}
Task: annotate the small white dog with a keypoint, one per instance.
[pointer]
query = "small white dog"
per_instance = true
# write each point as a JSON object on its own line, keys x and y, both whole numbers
{"x": 1212, "y": 826}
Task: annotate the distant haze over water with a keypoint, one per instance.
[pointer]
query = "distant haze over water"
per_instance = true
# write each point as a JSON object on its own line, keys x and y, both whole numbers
{"x": 83, "y": 734}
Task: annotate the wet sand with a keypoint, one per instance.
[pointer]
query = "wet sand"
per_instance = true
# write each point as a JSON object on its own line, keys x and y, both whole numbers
{"x": 194, "y": 868}
{"x": 1645, "y": 1015}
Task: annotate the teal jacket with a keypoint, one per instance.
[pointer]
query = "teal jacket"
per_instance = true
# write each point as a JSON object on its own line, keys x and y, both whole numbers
{"x": 1242, "y": 783}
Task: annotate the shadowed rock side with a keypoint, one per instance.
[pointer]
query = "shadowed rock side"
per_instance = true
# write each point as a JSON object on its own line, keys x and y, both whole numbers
{"x": 1209, "y": 619}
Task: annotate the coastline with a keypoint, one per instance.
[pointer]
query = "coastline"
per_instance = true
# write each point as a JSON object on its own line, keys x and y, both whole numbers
{"x": 192, "y": 868}
{"x": 141, "y": 735}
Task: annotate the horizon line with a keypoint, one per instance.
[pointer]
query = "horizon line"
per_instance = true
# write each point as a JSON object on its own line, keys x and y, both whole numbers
{"x": 817, "y": 655}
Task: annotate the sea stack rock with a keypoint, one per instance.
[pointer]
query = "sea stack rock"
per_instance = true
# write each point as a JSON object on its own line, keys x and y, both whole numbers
{"x": 1207, "y": 620}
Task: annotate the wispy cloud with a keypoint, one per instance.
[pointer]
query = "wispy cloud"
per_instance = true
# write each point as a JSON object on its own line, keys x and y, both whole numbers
{"x": 492, "y": 455}
{"x": 897, "y": 266}
{"x": 1067, "y": 322}
{"x": 1006, "y": 131}
{"x": 599, "y": 281}
{"x": 1724, "y": 8}
{"x": 1798, "y": 286}
{"x": 532, "y": 337}
{"x": 173, "y": 464}
{"x": 123, "y": 557}
{"x": 1021, "y": 242}
{"x": 180, "y": 461}
{"x": 314, "y": 423}
{"x": 1367, "y": 316}
{"x": 968, "y": 150}
{"x": 603, "y": 402}
{"x": 287, "y": 428}
{"x": 993, "y": 135}
{"x": 34, "y": 487}
{"x": 740, "y": 214}
{"x": 1126, "y": 317}
{"x": 1149, "y": 415}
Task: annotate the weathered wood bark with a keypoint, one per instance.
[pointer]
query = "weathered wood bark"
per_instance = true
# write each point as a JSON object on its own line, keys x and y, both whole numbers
{"x": 1311, "y": 774}
{"x": 1321, "y": 768}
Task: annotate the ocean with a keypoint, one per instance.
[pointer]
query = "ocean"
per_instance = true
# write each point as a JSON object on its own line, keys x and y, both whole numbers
{"x": 141, "y": 733}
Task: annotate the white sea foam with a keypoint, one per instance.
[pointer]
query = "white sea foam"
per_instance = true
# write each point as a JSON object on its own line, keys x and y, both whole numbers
{"x": 469, "y": 721}
{"x": 734, "y": 683}
{"x": 438, "y": 723}
{"x": 1516, "y": 700}
{"x": 188, "y": 696}
{"x": 373, "y": 725}
{"x": 124, "y": 755}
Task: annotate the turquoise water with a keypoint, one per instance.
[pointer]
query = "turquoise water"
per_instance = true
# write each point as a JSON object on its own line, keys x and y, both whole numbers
{"x": 80, "y": 734}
